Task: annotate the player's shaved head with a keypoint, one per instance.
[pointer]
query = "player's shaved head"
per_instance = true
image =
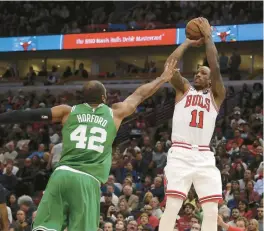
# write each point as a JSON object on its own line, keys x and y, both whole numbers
{"x": 94, "y": 92}
{"x": 202, "y": 79}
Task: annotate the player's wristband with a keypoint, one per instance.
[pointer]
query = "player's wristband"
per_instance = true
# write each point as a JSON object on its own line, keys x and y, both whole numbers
{"x": 34, "y": 115}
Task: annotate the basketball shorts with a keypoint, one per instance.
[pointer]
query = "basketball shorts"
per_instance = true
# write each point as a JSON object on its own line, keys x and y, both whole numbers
{"x": 72, "y": 200}
{"x": 190, "y": 166}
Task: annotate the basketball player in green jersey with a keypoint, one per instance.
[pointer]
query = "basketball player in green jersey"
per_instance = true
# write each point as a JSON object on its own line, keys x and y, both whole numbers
{"x": 72, "y": 196}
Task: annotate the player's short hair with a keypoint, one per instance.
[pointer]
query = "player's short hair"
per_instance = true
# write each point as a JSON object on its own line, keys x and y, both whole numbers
{"x": 93, "y": 92}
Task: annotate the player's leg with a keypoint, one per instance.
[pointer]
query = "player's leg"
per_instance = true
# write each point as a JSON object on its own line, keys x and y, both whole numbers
{"x": 178, "y": 174}
{"x": 52, "y": 210}
{"x": 84, "y": 203}
{"x": 207, "y": 183}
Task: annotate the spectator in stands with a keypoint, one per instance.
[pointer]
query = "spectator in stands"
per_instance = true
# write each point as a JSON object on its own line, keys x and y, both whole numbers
{"x": 233, "y": 203}
{"x": 104, "y": 206}
{"x": 159, "y": 157}
{"x": 112, "y": 181}
{"x": 31, "y": 77}
{"x": 129, "y": 171}
{"x": 153, "y": 221}
{"x": 152, "y": 68}
{"x": 157, "y": 189}
{"x": 235, "y": 61}
{"x": 38, "y": 153}
{"x": 21, "y": 223}
{"x": 131, "y": 199}
{"x": 191, "y": 197}
{"x": 110, "y": 189}
{"x": 124, "y": 208}
{"x": 43, "y": 72}
{"x": 194, "y": 221}
{"x": 258, "y": 187}
{"x": 141, "y": 123}
{"x": 144, "y": 221}
{"x": 260, "y": 218}
{"x": 156, "y": 211}
{"x": 53, "y": 77}
{"x": 245, "y": 180}
{"x": 26, "y": 204}
{"x": 234, "y": 216}
{"x": 237, "y": 139}
{"x": 223, "y": 63}
{"x": 81, "y": 72}
{"x": 184, "y": 222}
{"x": 249, "y": 194}
{"x": 12, "y": 204}
{"x": 133, "y": 145}
{"x": 253, "y": 148}
{"x": 10, "y": 154}
{"x": 67, "y": 73}
{"x": 244, "y": 209}
{"x": 139, "y": 165}
{"x": 108, "y": 226}
{"x": 253, "y": 225}
{"x": 237, "y": 118}
{"x": 25, "y": 177}
{"x": 132, "y": 225}
{"x": 120, "y": 226}
{"x": 8, "y": 179}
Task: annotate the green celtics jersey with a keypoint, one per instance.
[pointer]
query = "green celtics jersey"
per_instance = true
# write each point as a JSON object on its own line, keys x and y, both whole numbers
{"x": 88, "y": 135}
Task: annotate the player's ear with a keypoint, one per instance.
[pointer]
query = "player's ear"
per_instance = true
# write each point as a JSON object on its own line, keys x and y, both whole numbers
{"x": 104, "y": 98}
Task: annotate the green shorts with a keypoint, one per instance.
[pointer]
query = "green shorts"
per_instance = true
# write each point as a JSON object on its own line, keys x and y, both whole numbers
{"x": 72, "y": 200}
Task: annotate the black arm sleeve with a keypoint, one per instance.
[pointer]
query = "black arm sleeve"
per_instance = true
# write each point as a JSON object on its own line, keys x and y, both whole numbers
{"x": 34, "y": 115}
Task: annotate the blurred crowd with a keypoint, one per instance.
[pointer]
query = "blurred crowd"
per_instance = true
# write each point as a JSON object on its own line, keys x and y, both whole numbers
{"x": 59, "y": 76}
{"x": 38, "y": 18}
{"x": 133, "y": 197}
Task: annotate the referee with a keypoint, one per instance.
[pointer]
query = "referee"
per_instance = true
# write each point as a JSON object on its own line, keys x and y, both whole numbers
{"x": 4, "y": 223}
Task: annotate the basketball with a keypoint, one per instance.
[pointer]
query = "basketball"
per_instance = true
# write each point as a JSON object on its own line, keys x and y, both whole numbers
{"x": 192, "y": 31}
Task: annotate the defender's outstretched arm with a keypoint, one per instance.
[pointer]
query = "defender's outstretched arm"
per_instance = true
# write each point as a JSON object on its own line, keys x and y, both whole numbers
{"x": 55, "y": 114}
{"x": 128, "y": 107}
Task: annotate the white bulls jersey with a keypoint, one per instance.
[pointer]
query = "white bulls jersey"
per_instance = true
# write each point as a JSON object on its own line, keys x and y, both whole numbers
{"x": 194, "y": 118}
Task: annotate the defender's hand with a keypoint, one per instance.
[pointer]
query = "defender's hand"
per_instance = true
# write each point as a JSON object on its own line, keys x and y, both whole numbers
{"x": 170, "y": 70}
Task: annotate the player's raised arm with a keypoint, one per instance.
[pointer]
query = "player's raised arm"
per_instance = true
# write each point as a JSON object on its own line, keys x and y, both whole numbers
{"x": 177, "y": 81}
{"x": 218, "y": 87}
{"x": 55, "y": 114}
{"x": 128, "y": 107}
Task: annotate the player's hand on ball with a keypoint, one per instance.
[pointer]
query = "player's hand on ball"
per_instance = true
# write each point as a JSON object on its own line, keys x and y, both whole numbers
{"x": 195, "y": 43}
{"x": 204, "y": 27}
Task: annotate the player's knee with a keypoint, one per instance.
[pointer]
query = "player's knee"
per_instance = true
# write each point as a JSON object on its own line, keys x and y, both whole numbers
{"x": 210, "y": 208}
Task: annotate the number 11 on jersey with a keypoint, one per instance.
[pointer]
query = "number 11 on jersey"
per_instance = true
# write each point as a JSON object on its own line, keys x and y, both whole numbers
{"x": 200, "y": 116}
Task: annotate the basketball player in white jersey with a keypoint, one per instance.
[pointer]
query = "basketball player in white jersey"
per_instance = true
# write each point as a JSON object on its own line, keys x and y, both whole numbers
{"x": 190, "y": 160}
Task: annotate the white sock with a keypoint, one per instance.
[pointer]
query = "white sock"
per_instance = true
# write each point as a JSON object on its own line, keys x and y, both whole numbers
{"x": 168, "y": 218}
{"x": 210, "y": 212}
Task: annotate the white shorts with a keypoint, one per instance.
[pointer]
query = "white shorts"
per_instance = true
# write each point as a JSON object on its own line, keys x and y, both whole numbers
{"x": 186, "y": 167}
